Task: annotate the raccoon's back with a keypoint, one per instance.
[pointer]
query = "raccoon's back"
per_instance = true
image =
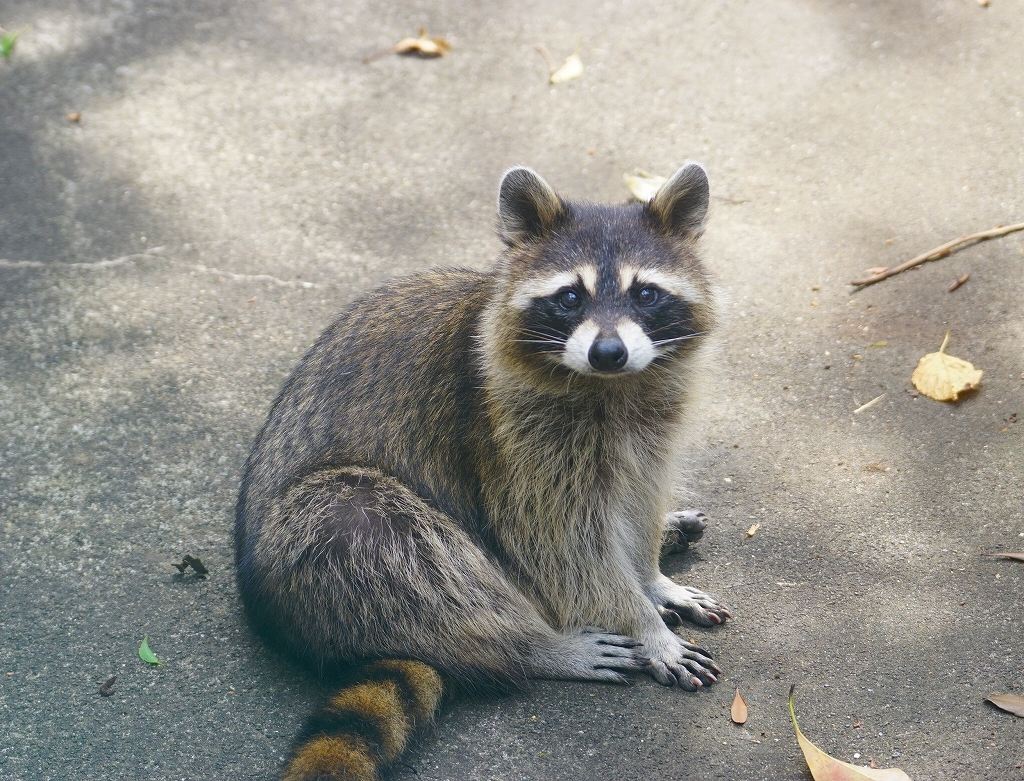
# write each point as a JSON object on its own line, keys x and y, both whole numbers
{"x": 394, "y": 384}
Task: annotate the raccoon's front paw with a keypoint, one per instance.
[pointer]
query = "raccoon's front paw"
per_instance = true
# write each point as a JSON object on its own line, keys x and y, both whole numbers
{"x": 691, "y": 604}
{"x": 682, "y": 528}
{"x": 677, "y": 603}
{"x": 682, "y": 664}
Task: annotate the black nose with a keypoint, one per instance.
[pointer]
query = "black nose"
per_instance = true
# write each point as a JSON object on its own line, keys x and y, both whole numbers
{"x": 608, "y": 354}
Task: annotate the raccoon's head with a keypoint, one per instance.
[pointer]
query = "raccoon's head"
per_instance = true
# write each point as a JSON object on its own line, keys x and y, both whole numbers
{"x": 602, "y": 291}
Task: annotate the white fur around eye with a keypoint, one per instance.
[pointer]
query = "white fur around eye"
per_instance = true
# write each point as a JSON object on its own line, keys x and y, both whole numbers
{"x": 576, "y": 353}
{"x": 676, "y": 285}
{"x": 525, "y": 295}
{"x": 641, "y": 350}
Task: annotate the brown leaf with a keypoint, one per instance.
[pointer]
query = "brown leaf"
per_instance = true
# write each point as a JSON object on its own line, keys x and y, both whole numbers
{"x": 826, "y": 768}
{"x": 1011, "y": 703}
{"x": 943, "y": 377}
{"x": 423, "y": 46}
{"x": 739, "y": 709}
{"x": 1007, "y": 555}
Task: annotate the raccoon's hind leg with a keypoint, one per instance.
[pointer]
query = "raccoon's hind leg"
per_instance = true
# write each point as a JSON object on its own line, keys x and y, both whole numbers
{"x": 682, "y": 528}
{"x": 350, "y": 563}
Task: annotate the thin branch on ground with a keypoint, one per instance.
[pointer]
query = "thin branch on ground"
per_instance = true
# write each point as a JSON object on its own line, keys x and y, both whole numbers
{"x": 938, "y": 252}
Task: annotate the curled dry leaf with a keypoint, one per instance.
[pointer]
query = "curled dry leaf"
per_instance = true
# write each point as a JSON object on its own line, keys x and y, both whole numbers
{"x": 750, "y": 533}
{"x": 738, "y": 712}
{"x": 943, "y": 377}
{"x": 1011, "y": 703}
{"x": 423, "y": 46}
{"x": 571, "y": 69}
{"x": 826, "y": 768}
{"x": 643, "y": 185}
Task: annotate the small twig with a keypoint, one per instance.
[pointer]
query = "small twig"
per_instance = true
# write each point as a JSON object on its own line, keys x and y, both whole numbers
{"x": 938, "y": 252}
{"x": 959, "y": 282}
{"x": 870, "y": 404}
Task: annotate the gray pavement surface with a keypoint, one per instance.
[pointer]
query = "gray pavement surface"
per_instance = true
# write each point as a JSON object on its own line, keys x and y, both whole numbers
{"x": 239, "y": 174}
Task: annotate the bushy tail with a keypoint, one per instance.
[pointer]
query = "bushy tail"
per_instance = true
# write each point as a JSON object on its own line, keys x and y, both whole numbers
{"x": 367, "y": 725}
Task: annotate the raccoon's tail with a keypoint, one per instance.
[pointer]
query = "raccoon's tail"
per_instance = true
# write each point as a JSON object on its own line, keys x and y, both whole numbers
{"x": 367, "y": 725}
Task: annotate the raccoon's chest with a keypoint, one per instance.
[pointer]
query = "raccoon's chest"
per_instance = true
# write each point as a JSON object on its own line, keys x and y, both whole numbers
{"x": 572, "y": 513}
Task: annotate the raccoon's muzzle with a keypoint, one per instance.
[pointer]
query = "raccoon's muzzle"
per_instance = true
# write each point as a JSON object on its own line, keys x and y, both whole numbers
{"x": 366, "y": 725}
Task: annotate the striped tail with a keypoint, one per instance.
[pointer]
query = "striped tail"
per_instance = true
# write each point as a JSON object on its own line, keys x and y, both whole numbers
{"x": 367, "y": 725}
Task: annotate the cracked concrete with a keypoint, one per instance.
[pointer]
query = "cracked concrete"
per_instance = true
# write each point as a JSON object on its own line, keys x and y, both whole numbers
{"x": 283, "y": 176}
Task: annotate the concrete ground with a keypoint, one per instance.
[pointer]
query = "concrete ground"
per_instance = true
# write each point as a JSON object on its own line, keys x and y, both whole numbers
{"x": 238, "y": 174}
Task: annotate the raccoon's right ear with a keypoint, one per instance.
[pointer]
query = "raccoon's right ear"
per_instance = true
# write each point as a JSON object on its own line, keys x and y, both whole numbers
{"x": 681, "y": 205}
{"x": 527, "y": 206}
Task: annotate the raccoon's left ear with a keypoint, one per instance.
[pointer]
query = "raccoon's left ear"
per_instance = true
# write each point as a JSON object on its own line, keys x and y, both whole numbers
{"x": 681, "y": 205}
{"x": 527, "y": 206}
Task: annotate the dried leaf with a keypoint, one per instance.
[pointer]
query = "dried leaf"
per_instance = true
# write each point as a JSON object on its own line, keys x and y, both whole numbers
{"x": 571, "y": 69}
{"x": 826, "y": 768}
{"x": 643, "y": 185}
{"x": 738, "y": 712}
{"x": 1011, "y": 703}
{"x": 145, "y": 654}
{"x": 1005, "y": 555}
{"x": 196, "y": 565}
{"x": 752, "y": 531}
{"x": 423, "y": 46}
{"x": 943, "y": 377}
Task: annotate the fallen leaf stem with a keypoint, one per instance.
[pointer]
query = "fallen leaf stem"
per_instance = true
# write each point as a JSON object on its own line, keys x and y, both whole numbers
{"x": 552, "y": 64}
{"x": 939, "y": 252}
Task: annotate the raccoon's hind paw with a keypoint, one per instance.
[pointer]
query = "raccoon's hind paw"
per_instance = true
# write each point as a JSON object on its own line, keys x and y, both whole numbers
{"x": 682, "y": 528}
{"x": 594, "y": 655}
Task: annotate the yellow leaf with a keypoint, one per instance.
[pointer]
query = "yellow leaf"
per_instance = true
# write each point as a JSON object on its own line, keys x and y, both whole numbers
{"x": 423, "y": 46}
{"x": 943, "y": 377}
{"x": 738, "y": 712}
{"x": 571, "y": 69}
{"x": 643, "y": 185}
{"x": 826, "y": 768}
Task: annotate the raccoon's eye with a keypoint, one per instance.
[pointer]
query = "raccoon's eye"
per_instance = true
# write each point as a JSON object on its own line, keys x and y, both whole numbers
{"x": 568, "y": 299}
{"x": 647, "y": 296}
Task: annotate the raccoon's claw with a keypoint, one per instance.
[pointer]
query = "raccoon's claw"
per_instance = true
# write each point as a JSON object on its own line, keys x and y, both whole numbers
{"x": 682, "y": 528}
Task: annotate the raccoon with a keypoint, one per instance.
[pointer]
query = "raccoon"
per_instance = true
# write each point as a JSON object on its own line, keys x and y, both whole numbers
{"x": 466, "y": 481}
